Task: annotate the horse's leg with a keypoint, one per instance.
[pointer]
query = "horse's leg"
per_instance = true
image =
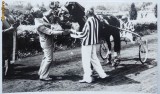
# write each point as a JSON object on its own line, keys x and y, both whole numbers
{"x": 81, "y": 22}
{"x": 109, "y": 47}
{"x": 117, "y": 41}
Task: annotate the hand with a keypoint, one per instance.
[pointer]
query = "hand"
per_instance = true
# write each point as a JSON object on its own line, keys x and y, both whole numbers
{"x": 66, "y": 32}
{"x": 4, "y": 30}
{"x": 73, "y": 31}
{"x": 9, "y": 29}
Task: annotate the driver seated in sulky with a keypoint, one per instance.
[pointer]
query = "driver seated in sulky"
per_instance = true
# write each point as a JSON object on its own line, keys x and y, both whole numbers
{"x": 127, "y": 24}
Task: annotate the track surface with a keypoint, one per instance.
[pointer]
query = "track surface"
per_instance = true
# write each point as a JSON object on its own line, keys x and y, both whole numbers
{"x": 130, "y": 75}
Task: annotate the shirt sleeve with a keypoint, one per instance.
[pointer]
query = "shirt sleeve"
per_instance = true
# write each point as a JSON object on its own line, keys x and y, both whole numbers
{"x": 84, "y": 32}
{"x": 44, "y": 30}
{"x": 47, "y": 31}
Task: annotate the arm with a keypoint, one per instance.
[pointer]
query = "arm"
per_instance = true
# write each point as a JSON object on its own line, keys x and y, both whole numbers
{"x": 82, "y": 34}
{"x": 48, "y": 31}
{"x": 9, "y": 29}
{"x": 8, "y": 24}
{"x": 60, "y": 32}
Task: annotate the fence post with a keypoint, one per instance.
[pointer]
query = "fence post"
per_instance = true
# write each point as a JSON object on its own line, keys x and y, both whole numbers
{"x": 14, "y": 47}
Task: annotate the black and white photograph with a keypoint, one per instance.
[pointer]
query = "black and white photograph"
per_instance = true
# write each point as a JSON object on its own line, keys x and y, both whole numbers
{"x": 81, "y": 45}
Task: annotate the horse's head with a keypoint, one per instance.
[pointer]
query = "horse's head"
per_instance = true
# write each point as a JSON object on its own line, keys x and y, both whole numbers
{"x": 72, "y": 12}
{"x": 68, "y": 12}
{"x": 70, "y": 6}
{"x": 66, "y": 20}
{"x": 65, "y": 15}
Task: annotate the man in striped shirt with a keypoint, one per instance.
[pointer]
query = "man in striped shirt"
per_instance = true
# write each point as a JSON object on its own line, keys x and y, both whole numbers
{"x": 89, "y": 36}
{"x": 127, "y": 25}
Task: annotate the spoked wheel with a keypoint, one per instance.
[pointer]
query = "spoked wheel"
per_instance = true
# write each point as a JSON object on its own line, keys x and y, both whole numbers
{"x": 143, "y": 53}
{"x": 104, "y": 51}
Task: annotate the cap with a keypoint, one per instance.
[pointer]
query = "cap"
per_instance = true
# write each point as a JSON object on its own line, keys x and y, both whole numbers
{"x": 124, "y": 18}
{"x": 53, "y": 4}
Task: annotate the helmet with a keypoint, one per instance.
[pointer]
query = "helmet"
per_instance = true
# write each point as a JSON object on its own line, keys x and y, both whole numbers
{"x": 124, "y": 18}
{"x": 53, "y": 5}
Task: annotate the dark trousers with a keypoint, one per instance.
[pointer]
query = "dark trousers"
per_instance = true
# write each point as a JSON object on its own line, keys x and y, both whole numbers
{"x": 8, "y": 68}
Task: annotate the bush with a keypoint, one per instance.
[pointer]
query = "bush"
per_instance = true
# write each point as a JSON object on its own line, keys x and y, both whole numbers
{"x": 150, "y": 26}
{"x": 146, "y": 28}
{"x": 28, "y": 43}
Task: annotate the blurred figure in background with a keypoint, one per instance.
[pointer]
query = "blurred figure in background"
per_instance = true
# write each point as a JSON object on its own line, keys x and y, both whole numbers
{"x": 9, "y": 26}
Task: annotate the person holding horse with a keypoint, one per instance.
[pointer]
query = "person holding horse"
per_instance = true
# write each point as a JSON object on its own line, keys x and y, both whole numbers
{"x": 89, "y": 36}
{"x": 46, "y": 41}
{"x": 107, "y": 24}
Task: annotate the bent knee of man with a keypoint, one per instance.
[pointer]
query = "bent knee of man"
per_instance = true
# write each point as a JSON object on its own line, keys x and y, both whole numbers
{"x": 48, "y": 59}
{"x": 42, "y": 28}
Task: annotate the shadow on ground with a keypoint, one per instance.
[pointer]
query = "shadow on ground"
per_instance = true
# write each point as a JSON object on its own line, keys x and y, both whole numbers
{"x": 118, "y": 76}
{"x": 66, "y": 77}
{"x": 25, "y": 72}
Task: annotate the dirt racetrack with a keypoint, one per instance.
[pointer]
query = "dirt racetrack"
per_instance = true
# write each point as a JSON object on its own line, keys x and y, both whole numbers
{"x": 130, "y": 75}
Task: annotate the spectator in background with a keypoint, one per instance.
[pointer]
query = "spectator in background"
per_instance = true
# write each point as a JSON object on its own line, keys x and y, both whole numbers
{"x": 133, "y": 12}
{"x": 21, "y": 18}
{"x": 30, "y": 19}
{"x": 9, "y": 26}
{"x": 25, "y": 22}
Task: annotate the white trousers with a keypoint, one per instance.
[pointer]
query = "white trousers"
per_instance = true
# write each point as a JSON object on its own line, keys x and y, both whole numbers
{"x": 46, "y": 62}
{"x": 89, "y": 56}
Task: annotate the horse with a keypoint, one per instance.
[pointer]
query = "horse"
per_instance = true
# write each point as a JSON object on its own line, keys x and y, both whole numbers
{"x": 76, "y": 13}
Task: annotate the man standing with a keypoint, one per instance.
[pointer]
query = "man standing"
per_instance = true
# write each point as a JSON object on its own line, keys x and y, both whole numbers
{"x": 46, "y": 41}
{"x": 89, "y": 36}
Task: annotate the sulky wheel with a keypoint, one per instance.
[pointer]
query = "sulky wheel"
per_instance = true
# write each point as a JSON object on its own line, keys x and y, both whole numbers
{"x": 143, "y": 53}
